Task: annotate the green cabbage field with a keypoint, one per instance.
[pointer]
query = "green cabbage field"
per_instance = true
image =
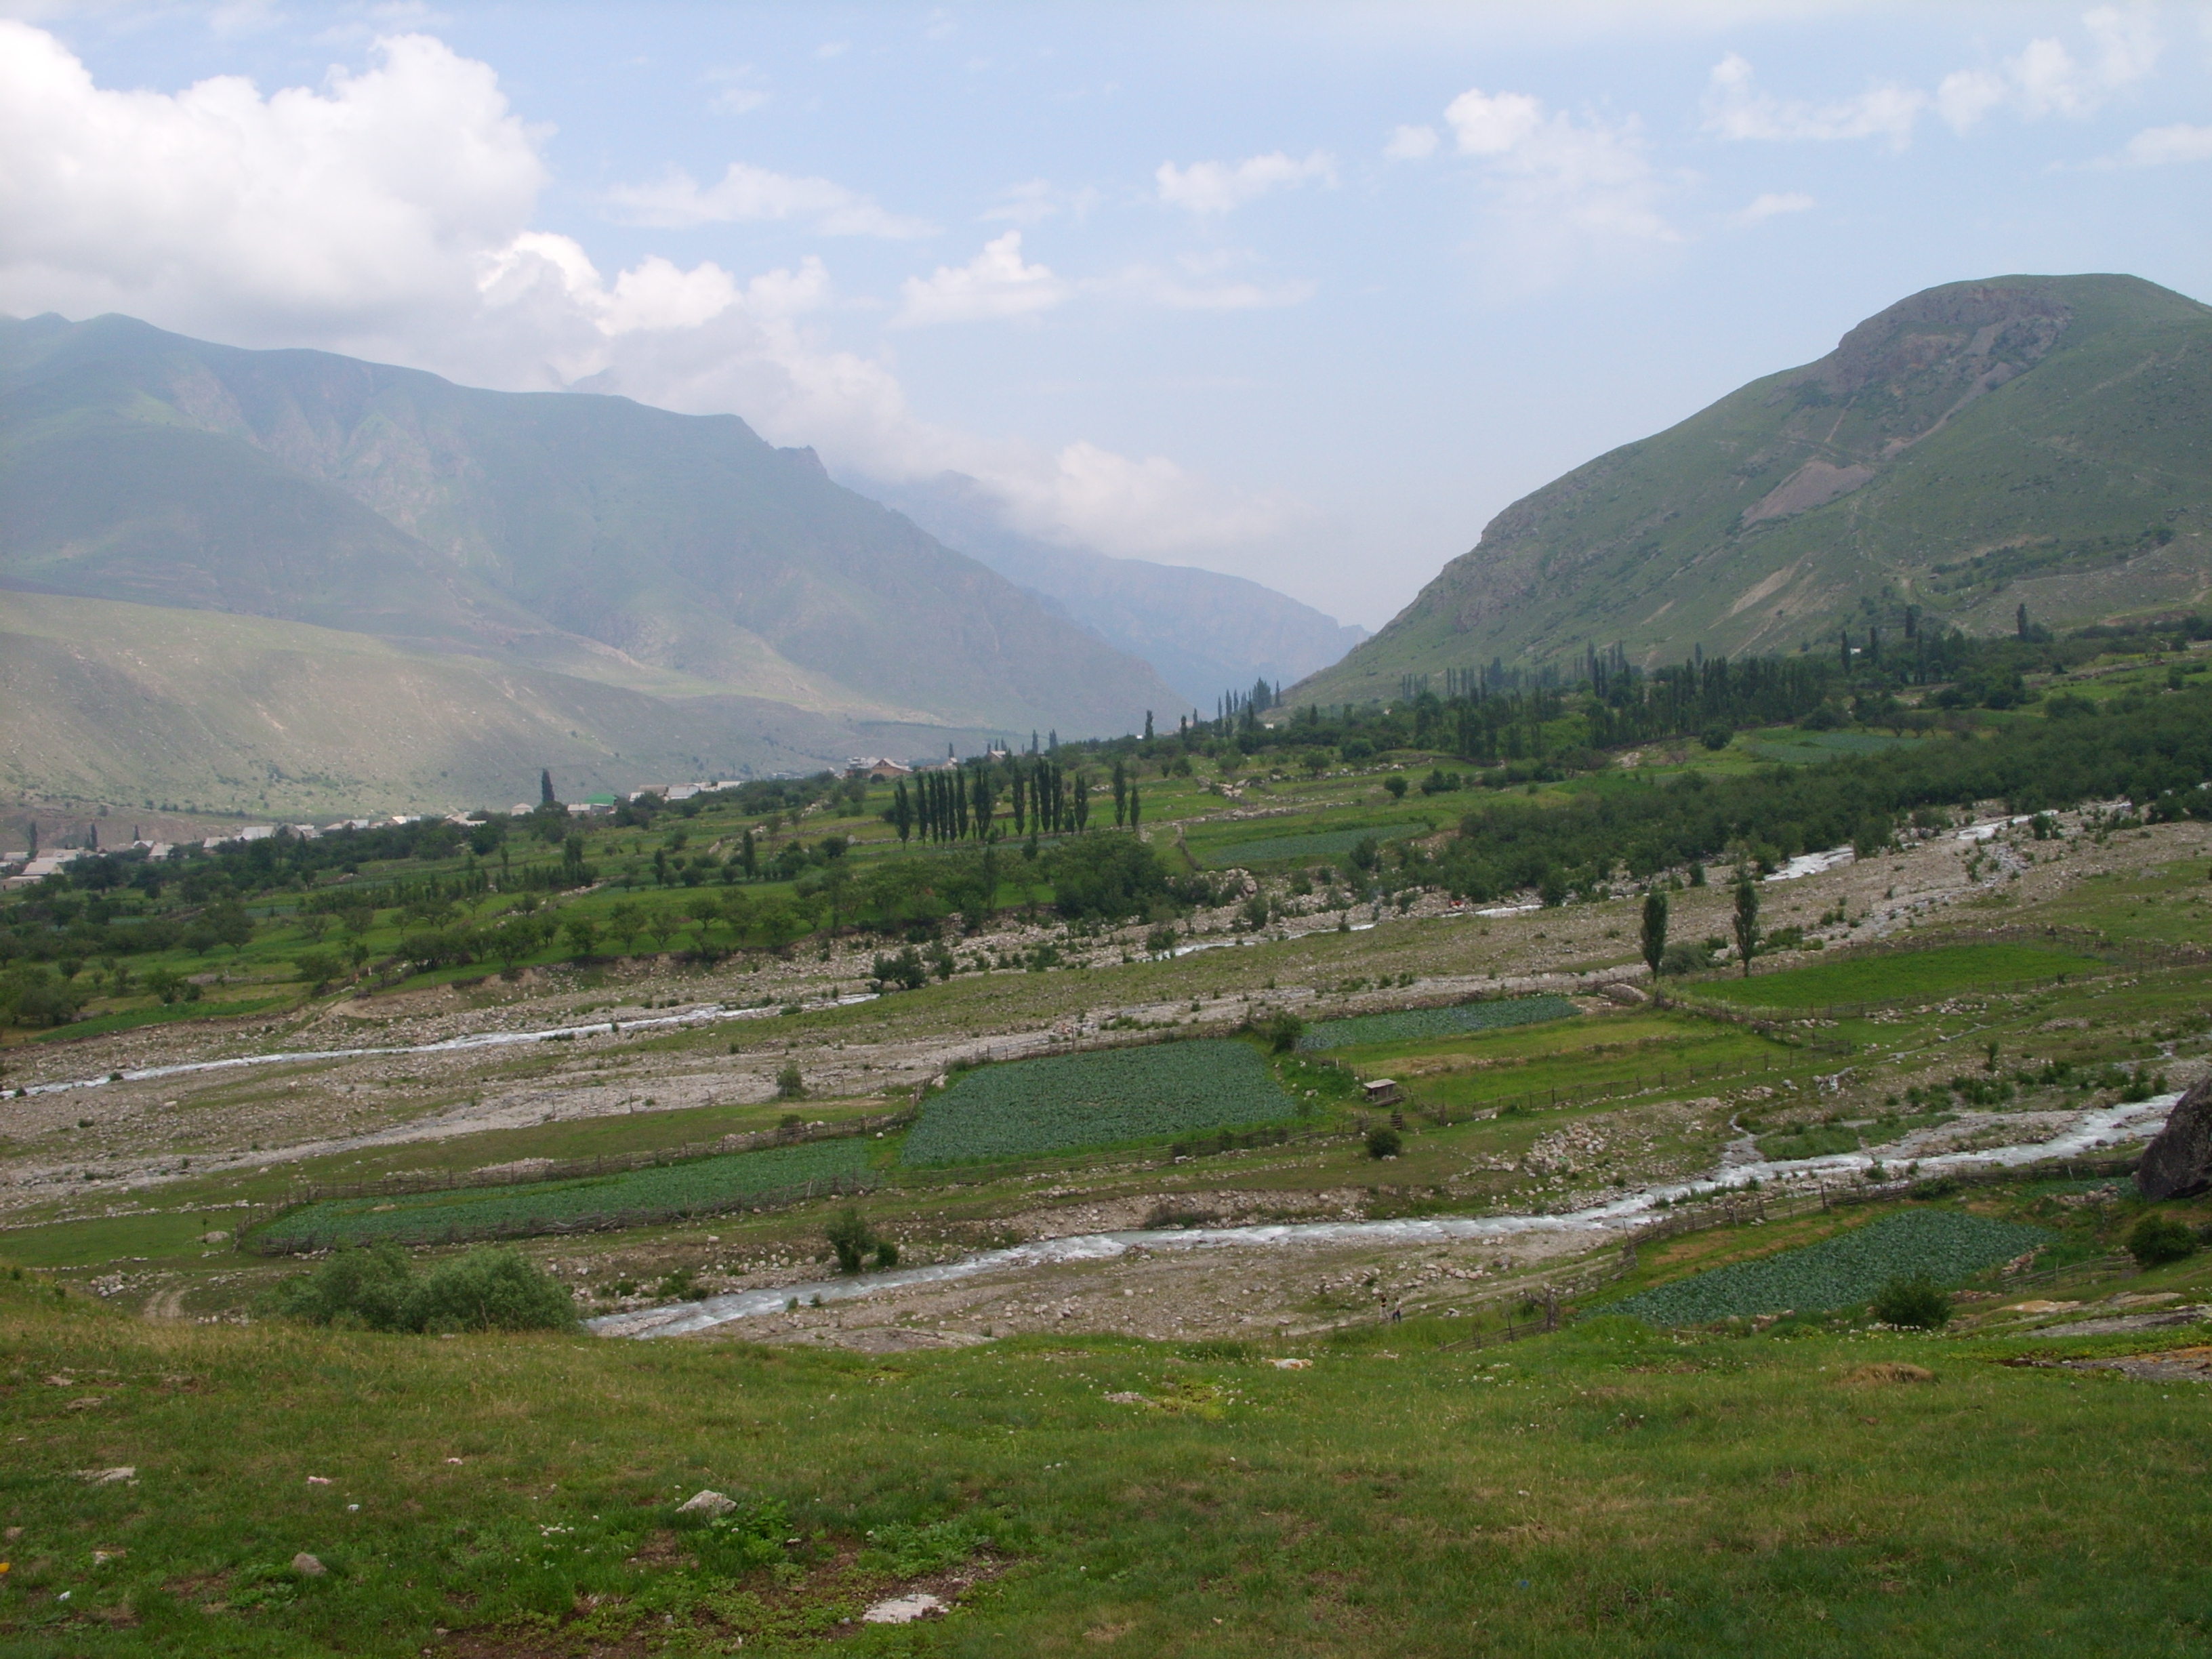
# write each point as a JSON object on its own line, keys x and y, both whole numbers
{"x": 1418, "y": 1024}
{"x": 1068, "y": 1101}
{"x": 1948, "y": 1245}
{"x": 699, "y": 1186}
{"x": 1323, "y": 844}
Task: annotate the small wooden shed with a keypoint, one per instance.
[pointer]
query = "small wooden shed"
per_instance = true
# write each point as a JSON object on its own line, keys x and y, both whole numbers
{"x": 1383, "y": 1091}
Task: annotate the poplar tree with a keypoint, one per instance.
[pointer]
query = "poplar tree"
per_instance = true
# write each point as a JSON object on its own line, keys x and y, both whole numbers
{"x": 1120, "y": 794}
{"x": 901, "y": 812}
{"x": 1746, "y": 915}
{"x": 1136, "y": 807}
{"x": 1655, "y": 929}
{"x": 1021, "y": 800}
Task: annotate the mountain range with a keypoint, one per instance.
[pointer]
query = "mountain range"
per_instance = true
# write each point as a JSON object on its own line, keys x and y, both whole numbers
{"x": 566, "y": 579}
{"x": 1206, "y": 633}
{"x": 2036, "y": 442}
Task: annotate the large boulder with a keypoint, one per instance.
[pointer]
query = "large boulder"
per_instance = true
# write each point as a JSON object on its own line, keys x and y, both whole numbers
{"x": 2179, "y": 1162}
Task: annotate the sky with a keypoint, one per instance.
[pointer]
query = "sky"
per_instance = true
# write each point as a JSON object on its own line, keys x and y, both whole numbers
{"x": 1301, "y": 293}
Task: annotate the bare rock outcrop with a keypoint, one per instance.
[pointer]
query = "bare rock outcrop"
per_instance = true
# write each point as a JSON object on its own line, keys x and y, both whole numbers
{"x": 2179, "y": 1161}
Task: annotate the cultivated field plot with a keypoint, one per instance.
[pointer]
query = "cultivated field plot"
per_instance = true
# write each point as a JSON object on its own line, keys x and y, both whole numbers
{"x": 1941, "y": 971}
{"x": 1809, "y": 748}
{"x": 1071, "y": 1101}
{"x": 1418, "y": 1024}
{"x": 1948, "y": 1245}
{"x": 703, "y": 1185}
{"x": 1328, "y": 844}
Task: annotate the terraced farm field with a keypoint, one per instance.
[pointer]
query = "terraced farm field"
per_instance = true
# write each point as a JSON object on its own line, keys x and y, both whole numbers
{"x": 1418, "y": 1024}
{"x": 700, "y": 1186}
{"x": 1067, "y": 1102}
{"x": 1948, "y": 1245}
{"x": 1944, "y": 970}
{"x": 1332, "y": 843}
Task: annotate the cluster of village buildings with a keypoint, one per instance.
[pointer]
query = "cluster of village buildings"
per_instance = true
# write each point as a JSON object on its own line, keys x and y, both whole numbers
{"x": 23, "y": 869}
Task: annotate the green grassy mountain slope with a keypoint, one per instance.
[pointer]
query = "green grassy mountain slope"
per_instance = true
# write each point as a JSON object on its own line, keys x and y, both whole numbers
{"x": 2037, "y": 441}
{"x": 153, "y": 706}
{"x": 313, "y": 488}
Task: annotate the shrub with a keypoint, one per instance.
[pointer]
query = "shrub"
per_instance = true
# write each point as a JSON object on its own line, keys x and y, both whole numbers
{"x": 375, "y": 1289}
{"x": 1718, "y": 737}
{"x": 1383, "y": 1143}
{"x": 357, "y": 1290}
{"x": 489, "y": 1290}
{"x": 1913, "y": 1300}
{"x": 790, "y": 1083}
{"x": 1686, "y": 956}
{"x": 2159, "y": 1239}
{"x": 850, "y": 1237}
{"x": 1282, "y": 1031}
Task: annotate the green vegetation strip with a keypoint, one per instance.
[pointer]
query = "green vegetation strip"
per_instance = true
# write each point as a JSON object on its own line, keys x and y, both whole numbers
{"x": 701, "y": 1185}
{"x": 1418, "y": 1024}
{"x": 1948, "y": 1245}
{"x": 1071, "y": 1101}
{"x": 1944, "y": 970}
{"x": 1333, "y": 843}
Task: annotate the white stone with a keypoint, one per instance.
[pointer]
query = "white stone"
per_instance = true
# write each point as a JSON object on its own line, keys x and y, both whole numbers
{"x": 902, "y": 1610}
{"x": 706, "y": 1501}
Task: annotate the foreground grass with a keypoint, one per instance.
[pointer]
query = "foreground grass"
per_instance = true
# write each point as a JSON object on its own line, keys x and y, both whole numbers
{"x": 1609, "y": 1489}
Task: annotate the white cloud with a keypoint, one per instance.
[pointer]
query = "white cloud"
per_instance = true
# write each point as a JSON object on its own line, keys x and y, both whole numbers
{"x": 2155, "y": 146}
{"x": 747, "y": 193}
{"x": 1561, "y": 185}
{"x": 1219, "y": 186}
{"x": 1156, "y": 286}
{"x": 1773, "y": 203}
{"x": 830, "y": 49}
{"x": 2044, "y": 78}
{"x": 995, "y": 283}
{"x": 215, "y": 208}
{"x": 1036, "y": 200}
{"x": 387, "y": 215}
{"x": 1493, "y": 125}
{"x": 1410, "y": 143}
{"x": 1734, "y": 110}
{"x": 1964, "y": 96}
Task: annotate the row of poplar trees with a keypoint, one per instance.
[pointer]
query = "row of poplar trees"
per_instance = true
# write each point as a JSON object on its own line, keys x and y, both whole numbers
{"x": 962, "y": 803}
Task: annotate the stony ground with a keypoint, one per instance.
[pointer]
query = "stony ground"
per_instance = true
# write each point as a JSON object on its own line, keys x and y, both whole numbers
{"x": 140, "y": 1135}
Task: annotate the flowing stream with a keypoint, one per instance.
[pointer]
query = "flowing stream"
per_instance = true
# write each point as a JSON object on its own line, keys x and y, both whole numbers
{"x": 444, "y": 1045}
{"x": 1740, "y": 1166}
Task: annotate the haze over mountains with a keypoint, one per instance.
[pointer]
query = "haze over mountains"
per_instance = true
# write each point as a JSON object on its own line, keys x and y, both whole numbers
{"x": 1206, "y": 633}
{"x": 2043, "y": 441}
{"x": 574, "y": 580}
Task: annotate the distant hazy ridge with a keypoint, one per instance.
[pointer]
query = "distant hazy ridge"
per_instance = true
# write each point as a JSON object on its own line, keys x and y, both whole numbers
{"x": 752, "y": 612}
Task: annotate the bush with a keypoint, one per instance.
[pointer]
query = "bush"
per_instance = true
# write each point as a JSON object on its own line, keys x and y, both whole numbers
{"x": 1383, "y": 1143}
{"x": 1282, "y": 1031}
{"x": 375, "y": 1290}
{"x": 1718, "y": 737}
{"x": 1915, "y": 1301}
{"x": 1686, "y": 957}
{"x": 790, "y": 1082}
{"x": 2159, "y": 1239}
{"x": 852, "y": 1238}
{"x": 489, "y": 1290}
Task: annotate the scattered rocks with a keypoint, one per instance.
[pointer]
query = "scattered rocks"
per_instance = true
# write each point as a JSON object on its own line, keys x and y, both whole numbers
{"x": 1627, "y": 995}
{"x": 308, "y": 1566}
{"x": 706, "y": 1502}
{"x": 2179, "y": 1162}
